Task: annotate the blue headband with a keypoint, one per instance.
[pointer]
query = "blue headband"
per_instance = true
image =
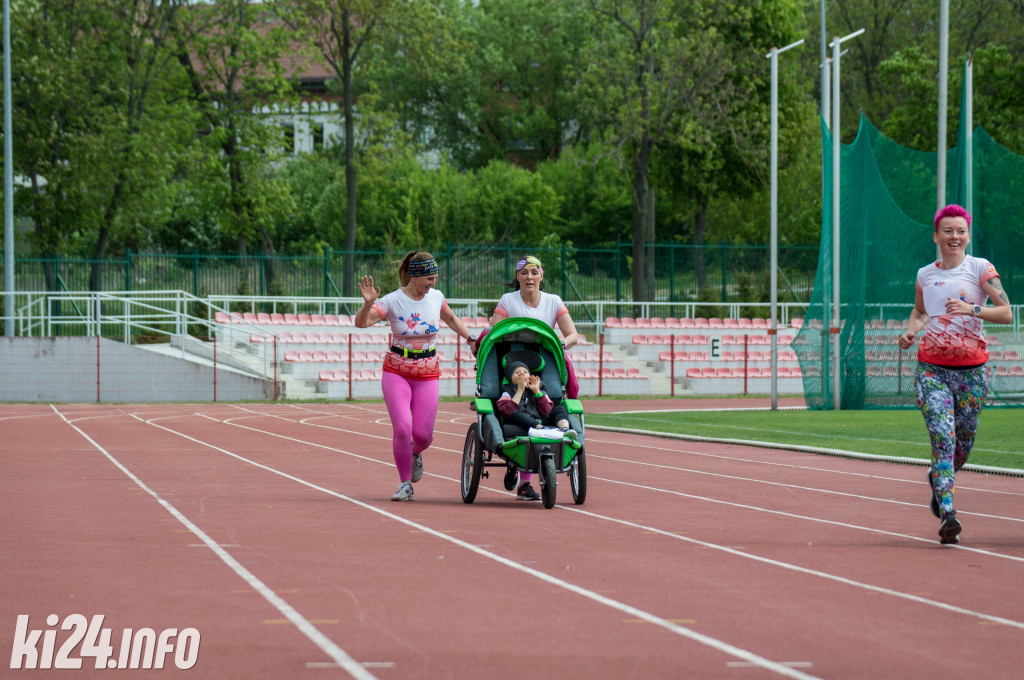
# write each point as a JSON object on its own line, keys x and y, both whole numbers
{"x": 423, "y": 267}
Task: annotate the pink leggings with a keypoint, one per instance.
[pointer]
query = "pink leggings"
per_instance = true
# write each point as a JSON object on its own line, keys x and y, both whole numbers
{"x": 412, "y": 405}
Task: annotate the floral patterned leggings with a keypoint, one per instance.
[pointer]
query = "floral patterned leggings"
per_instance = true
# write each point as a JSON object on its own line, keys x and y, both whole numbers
{"x": 951, "y": 401}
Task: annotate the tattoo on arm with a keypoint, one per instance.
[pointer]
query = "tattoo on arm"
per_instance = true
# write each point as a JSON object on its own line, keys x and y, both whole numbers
{"x": 995, "y": 283}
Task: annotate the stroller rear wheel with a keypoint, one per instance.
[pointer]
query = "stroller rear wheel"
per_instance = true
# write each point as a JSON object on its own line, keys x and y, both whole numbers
{"x": 472, "y": 463}
{"x": 578, "y": 477}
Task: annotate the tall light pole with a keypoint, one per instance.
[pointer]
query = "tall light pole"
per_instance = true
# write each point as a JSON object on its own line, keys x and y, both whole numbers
{"x": 836, "y": 326}
{"x": 940, "y": 170}
{"x": 774, "y": 329}
{"x": 8, "y": 180}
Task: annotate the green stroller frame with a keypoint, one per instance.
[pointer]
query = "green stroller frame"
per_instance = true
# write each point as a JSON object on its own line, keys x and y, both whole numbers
{"x": 487, "y": 445}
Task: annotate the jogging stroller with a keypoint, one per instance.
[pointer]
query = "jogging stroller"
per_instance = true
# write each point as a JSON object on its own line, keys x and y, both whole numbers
{"x": 492, "y": 443}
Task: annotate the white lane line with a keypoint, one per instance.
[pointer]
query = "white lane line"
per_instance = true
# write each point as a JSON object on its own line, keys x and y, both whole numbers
{"x": 336, "y": 653}
{"x": 712, "y": 500}
{"x": 670, "y": 626}
{"x": 838, "y": 453}
{"x": 797, "y": 486}
{"x": 729, "y": 550}
{"x": 771, "y": 463}
{"x": 807, "y": 518}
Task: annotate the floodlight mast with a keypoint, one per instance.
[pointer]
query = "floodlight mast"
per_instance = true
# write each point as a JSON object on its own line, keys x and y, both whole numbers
{"x": 774, "y": 328}
{"x": 836, "y": 325}
{"x": 940, "y": 170}
{"x": 8, "y": 181}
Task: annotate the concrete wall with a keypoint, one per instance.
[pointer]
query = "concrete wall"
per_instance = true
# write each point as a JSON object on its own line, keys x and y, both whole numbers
{"x": 82, "y": 370}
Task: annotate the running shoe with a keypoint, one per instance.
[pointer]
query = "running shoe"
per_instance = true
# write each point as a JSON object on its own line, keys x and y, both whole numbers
{"x": 417, "y": 467}
{"x": 404, "y": 492}
{"x": 569, "y": 433}
{"x": 526, "y": 493}
{"x": 949, "y": 530}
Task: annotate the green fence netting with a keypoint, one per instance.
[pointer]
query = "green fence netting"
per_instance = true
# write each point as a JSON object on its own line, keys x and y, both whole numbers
{"x": 888, "y": 200}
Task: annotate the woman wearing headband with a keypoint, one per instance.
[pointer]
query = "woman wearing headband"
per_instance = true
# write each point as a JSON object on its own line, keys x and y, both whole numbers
{"x": 411, "y": 373}
{"x": 952, "y": 378}
{"x": 527, "y": 300}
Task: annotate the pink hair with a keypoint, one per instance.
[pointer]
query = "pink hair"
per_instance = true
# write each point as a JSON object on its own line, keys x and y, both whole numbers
{"x": 952, "y": 210}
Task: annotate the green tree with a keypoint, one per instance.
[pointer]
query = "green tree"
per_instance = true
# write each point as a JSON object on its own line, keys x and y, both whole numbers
{"x": 510, "y": 95}
{"x": 233, "y": 52}
{"x": 682, "y": 82}
{"x": 349, "y": 36}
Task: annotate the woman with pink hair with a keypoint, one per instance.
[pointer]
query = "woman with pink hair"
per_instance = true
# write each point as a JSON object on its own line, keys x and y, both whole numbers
{"x": 952, "y": 378}
{"x": 411, "y": 372}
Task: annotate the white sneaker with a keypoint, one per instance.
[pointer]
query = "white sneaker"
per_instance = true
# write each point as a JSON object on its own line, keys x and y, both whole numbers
{"x": 404, "y": 492}
{"x": 417, "y": 467}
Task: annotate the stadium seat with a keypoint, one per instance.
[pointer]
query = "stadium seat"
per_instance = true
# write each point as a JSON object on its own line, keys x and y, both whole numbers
{"x": 657, "y": 322}
{"x": 249, "y": 317}
{"x": 707, "y": 372}
{"x": 613, "y": 322}
{"x": 318, "y": 320}
{"x": 628, "y": 322}
{"x": 591, "y": 373}
{"x": 1010, "y": 355}
{"x": 672, "y": 322}
{"x": 744, "y": 322}
{"x": 693, "y": 372}
{"x": 1016, "y": 370}
{"x": 643, "y": 323}
{"x": 701, "y": 322}
{"x": 759, "y": 322}
{"x": 606, "y": 373}
{"x": 796, "y": 322}
{"x": 715, "y": 322}
{"x": 263, "y": 318}
{"x": 222, "y": 317}
{"x": 640, "y": 340}
{"x": 730, "y": 323}
{"x": 277, "y": 318}
{"x": 305, "y": 320}
{"x": 291, "y": 319}
{"x": 345, "y": 320}
{"x": 326, "y": 374}
{"x": 686, "y": 323}
{"x": 738, "y": 372}
{"x": 331, "y": 320}
{"x": 291, "y": 355}
{"x": 447, "y": 372}
{"x": 633, "y": 373}
{"x": 699, "y": 339}
{"x": 318, "y": 355}
{"x": 781, "y": 371}
{"x": 618, "y": 373}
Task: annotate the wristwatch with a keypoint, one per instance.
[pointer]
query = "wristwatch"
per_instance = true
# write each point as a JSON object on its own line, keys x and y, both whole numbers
{"x": 976, "y": 310}
{"x": 472, "y": 337}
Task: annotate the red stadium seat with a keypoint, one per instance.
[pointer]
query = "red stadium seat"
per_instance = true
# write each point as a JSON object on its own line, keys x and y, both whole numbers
{"x": 277, "y": 318}
{"x": 672, "y": 322}
{"x": 701, "y": 322}
{"x": 657, "y": 322}
{"x": 693, "y": 372}
{"x": 613, "y": 322}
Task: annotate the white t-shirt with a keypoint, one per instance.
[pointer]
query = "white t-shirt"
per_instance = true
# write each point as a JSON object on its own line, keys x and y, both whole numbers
{"x": 549, "y": 309}
{"x": 414, "y": 323}
{"x": 953, "y": 339}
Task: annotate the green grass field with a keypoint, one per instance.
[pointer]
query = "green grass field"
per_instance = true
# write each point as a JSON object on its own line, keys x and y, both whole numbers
{"x": 887, "y": 433}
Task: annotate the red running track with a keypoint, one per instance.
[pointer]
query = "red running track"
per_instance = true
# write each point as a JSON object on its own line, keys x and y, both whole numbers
{"x": 268, "y": 529}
